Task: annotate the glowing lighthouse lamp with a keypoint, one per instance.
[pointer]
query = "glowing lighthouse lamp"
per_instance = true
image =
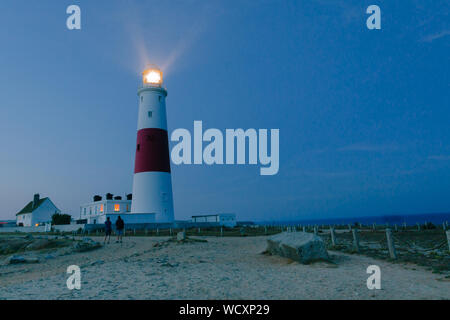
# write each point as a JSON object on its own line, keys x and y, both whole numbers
{"x": 152, "y": 184}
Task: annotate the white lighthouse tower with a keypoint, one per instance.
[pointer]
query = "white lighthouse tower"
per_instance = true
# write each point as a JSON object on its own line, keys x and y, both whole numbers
{"x": 152, "y": 185}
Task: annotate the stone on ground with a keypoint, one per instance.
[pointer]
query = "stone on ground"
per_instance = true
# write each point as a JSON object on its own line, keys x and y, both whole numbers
{"x": 299, "y": 246}
{"x": 86, "y": 245}
{"x": 181, "y": 236}
{"x": 21, "y": 259}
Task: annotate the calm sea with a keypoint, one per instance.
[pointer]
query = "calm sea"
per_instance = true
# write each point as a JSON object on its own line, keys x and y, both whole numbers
{"x": 435, "y": 218}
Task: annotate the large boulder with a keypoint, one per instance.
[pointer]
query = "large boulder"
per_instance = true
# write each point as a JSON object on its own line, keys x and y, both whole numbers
{"x": 87, "y": 244}
{"x": 299, "y": 246}
{"x": 38, "y": 244}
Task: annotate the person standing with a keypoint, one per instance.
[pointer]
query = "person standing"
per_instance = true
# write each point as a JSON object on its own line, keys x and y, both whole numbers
{"x": 108, "y": 229}
{"x": 120, "y": 225}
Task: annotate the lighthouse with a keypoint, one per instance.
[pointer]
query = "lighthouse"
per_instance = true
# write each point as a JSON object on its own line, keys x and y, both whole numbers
{"x": 152, "y": 183}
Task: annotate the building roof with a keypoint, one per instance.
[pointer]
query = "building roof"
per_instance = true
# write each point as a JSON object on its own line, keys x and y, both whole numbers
{"x": 105, "y": 201}
{"x": 29, "y": 207}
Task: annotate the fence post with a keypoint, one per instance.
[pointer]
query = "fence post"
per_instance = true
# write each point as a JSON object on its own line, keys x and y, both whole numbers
{"x": 170, "y": 231}
{"x": 157, "y": 231}
{"x": 333, "y": 236}
{"x": 404, "y": 225}
{"x": 146, "y": 232}
{"x": 221, "y": 231}
{"x": 448, "y": 238}
{"x": 443, "y": 226}
{"x": 265, "y": 230}
{"x": 198, "y": 230}
{"x": 374, "y": 227}
{"x": 390, "y": 242}
{"x": 396, "y": 229}
{"x": 316, "y": 232}
{"x": 349, "y": 227}
{"x": 355, "y": 239}
{"x": 418, "y": 227}
{"x": 304, "y": 229}
{"x": 134, "y": 231}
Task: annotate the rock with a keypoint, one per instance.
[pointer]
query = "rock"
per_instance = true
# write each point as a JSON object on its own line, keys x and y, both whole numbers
{"x": 38, "y": 244}
{"x": 29, "y": 237}
{"x": 167, "y": 264}
{"x": 181, "y": 236}
{"x": 86, "y": 245}
{"x": 16, "y": 260}
{"x": 21, "y": 259}
{"x": 12, "y": 245}
{"x": 31, "y": 260}
{"x": 299, "y": 246}
{"x": 98, "y": 262}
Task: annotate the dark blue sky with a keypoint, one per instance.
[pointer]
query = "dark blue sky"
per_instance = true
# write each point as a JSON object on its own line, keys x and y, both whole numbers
{"x": 363, "y": 115}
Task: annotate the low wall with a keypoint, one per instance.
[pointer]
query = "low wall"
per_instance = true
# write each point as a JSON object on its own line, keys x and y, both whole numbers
{"x": 23, "y": 229}
{"x": 62, "y": 228}
{"x": 154, "y": 226}
{"x": 68, "y": 227}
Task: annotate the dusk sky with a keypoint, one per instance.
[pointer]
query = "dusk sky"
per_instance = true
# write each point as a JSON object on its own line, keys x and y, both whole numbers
{"x": 364, "y": 115}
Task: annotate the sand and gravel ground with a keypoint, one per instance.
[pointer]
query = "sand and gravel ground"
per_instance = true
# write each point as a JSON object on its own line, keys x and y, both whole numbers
{"x": 221, "y": 268}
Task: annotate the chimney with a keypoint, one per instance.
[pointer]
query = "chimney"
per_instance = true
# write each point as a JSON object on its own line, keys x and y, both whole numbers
{"x": 35, "y": 200}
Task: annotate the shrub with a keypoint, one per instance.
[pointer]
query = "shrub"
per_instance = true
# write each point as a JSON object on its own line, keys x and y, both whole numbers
{"x": 60, "y": 219}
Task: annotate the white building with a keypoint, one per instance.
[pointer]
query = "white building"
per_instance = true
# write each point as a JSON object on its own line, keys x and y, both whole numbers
{"x": 223, "y": 219}
{"x": 95, "y": 212}
{"x": 36, "y": 212}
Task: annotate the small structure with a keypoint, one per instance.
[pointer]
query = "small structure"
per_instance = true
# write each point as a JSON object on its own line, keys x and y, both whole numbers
{"x": 36, "y": 212}
{"x": 95, "y": 212}
{"x": 223, "y": 219}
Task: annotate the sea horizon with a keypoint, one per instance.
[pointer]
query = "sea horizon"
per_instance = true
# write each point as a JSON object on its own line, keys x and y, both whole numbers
{"x": 409, "y": 219}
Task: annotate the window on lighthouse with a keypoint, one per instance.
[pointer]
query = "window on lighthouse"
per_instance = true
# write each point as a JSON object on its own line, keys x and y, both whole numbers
{"x": 116, "y": 207}
{"x": 150, "y": 114}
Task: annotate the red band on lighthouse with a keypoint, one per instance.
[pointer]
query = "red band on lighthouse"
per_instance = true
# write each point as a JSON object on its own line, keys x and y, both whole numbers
{"x": 152, "y": 151}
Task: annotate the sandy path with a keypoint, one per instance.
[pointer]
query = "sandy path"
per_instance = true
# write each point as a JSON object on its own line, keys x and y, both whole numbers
{"x": 222, "y": 268}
